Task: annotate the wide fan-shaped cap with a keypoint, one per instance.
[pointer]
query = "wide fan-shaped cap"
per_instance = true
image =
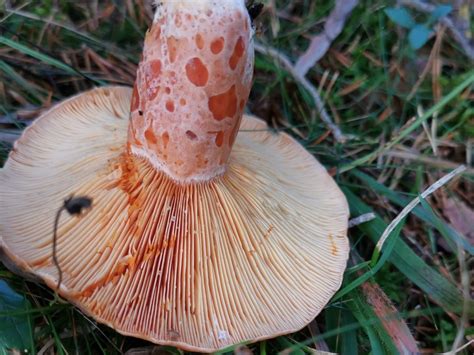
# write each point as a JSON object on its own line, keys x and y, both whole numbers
{"x": 251, "y": 254}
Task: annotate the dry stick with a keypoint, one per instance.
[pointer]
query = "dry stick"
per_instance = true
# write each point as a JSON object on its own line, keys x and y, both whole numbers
{"x": 457, "y": 35}
{"x": 444, "y": 180}
{"x": 283, "y": 59}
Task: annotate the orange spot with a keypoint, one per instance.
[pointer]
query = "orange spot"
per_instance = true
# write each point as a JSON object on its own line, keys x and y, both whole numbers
{"x": 166, "y": 138}
{"x": 242, "y": 104}
{"x": 191, "y": 135}
{"x": 172, "y": 48}
{"x": 155, "y": 67}
{"x": 199, "y": 41}
{"x": 152, "y": 93}
{"x": 135, "y": 98}
{"x": 154, "y": 33}
{"x": 157, "y": 32}
{"x": 133, "y": 134}
{"x": 170, "y": 106}
{"x": 150, "y": 136}
{"x": 217, "y": 45}
{"x": 234, "y": 133}
{"x": 197, "y": 72}
{"x": 220, "y": 138}
{"x": 177, "y": 20}
{"x": 153, "y": 71}
{"x": 223, "y": 105}
{"x": 182, "y": 102}
{"x": 237, "y": 54}
{"x": 167, "y": 90}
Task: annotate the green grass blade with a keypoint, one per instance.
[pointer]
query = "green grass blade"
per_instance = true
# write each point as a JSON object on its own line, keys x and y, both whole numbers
{"x": 25, "y": 85}
{"x": 418, "y": 122}
{"x": 437, "y": 287}
{"x": 387, "y": 250}
{"x": 44, "y": 58}
{"x": 429, "y": 218}
{"x": 453, "y": 241}
{"x": 349, "y": 344}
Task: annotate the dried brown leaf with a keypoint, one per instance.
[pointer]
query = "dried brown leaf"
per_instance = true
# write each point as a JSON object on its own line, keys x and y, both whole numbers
{"x": 460, "y": 215}
{"x": 321, "y": 43}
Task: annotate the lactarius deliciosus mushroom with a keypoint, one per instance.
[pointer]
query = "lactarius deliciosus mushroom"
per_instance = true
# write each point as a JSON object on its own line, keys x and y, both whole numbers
{"x": 189, "y": 242}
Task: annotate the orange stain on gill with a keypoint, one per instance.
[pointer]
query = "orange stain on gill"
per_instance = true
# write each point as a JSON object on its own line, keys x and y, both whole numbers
{"x": 237, "y": 54}
{"x": 217, "y": 45}
{"x": 223, "y": 105}
{"x": 197, "y": 72}
{"x": 333, "y": 245}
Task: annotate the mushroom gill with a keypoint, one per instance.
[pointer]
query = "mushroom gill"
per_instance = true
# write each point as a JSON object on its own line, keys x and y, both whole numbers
{"x": 249, "y": 255}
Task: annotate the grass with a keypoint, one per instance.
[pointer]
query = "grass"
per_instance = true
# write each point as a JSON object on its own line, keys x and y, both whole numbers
{"x": 51, "y": 50}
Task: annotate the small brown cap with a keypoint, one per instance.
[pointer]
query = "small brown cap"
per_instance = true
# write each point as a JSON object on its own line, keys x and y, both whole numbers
{"x": 247, "y": 256}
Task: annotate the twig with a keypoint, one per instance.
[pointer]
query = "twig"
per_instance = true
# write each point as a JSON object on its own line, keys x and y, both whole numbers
{"x": 408, "y": 208}
{"x": 320, "y": 44}
{"x": 364, "y": 218}
{"x": 74, "y": 206}
{"x": 457, "y": 35}
{"x": 283, "y": 59}
{"x": 55, "y": 241}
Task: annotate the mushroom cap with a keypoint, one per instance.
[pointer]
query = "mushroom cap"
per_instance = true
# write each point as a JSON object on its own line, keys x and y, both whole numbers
{"x": 253, "y": 254}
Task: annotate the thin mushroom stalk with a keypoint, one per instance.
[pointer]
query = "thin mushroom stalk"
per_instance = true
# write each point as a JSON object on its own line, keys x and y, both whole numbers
{"x": 202, "y": 235}
{"x": 192, "y": 86}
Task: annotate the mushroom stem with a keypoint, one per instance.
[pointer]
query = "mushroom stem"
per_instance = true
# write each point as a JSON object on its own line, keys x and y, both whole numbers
{"x": 191, "y": 87}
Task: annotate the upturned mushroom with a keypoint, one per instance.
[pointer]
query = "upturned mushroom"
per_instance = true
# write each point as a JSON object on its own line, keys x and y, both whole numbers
{"x": 201, "y": 235}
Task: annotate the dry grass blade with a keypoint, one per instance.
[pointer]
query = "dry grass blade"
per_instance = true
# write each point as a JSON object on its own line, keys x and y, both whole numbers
{"x": 436, "y": 163}
{"x": 441, "y": 182}
{"x": 367, "y": 217}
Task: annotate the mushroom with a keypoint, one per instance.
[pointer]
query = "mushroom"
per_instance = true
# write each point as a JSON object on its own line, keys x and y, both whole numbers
{"x": 187, "y": 243}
